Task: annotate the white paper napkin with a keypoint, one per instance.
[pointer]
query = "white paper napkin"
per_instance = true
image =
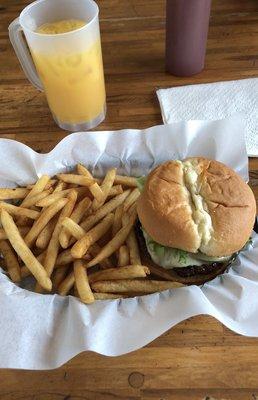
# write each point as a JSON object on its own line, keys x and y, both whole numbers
{"x": 214, "y": 101}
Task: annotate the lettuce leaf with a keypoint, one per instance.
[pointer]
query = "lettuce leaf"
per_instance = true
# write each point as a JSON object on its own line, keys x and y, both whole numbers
{"x": 169, "y": 257}
{"x": 141, "y": 182}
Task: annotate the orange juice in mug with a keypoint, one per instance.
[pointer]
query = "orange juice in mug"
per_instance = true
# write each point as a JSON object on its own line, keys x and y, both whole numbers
{"x": 64, "y": 41}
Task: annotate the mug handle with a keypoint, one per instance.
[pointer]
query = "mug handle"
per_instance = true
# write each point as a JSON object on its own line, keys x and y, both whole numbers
{"x": 23, "y": 54}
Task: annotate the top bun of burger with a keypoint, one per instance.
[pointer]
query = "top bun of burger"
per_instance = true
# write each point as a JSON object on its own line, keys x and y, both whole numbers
{"x": 197, "y": 205}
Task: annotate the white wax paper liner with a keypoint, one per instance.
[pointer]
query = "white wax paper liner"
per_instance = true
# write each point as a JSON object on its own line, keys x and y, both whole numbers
{"x": 44, "y": 331}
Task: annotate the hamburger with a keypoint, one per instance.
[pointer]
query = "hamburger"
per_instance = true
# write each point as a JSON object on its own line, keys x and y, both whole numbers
{"x": 195, "y": 216}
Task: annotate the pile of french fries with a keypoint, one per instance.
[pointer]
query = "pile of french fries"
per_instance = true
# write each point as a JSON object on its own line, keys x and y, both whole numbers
{"x": 75, "y": 235}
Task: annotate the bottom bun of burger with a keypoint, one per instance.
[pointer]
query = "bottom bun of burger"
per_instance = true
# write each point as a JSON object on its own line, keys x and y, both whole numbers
{"x": 190, "y": 275}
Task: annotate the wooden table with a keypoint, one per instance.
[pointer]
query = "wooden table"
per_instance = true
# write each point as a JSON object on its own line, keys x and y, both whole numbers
{"x": 198, "y": 357}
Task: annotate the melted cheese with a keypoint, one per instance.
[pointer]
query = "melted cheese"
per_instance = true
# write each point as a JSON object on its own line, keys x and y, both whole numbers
{"x": 200, "y": 213}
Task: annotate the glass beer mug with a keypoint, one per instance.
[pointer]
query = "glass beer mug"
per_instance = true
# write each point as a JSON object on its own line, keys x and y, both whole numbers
{"x": 65, "y": 59}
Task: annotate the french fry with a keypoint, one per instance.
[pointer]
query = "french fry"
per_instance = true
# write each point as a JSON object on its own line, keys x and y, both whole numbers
{"x": 49, "y": 184}
{"x": 96, "y": 192}
{"x": 78, "y": 179}
{"x": 107, "y": 208}
{"x": 38, "y": 187}
{"x": 53, "y": 247}
{"x": 41, "y": 257}
{"x": 69, "y": 207}
{"x": 160, "y": 272}
{"x": 114, "y": 243}
{"x": 107, "y": 183}
{"x": 132, "y": 209}
{"x": 92, "y": 236}
{"x": 31, "y": 201}
{"x": 25, "y": 270}
{"x": 123, "y": 256}
{"x": 19, "y": 211}
{"x": 23, "y": 251}
{"x": 105, "y": 188}
{"x": 73, "y": 228}
{"x": 134, "y": 285}
{"x": 133, "y": 196}
{"x": 132, "y": 244}
{"x": 22, "y": 229}
{"x": 46, "y": 215}
{"x": 115, "y": 190}
{"x": 52, "y": 198}
{"x": 82, "y": 282}
{"x": 64, "y": 257}
{"x": 94, "y": 251}
{"x": 81, "y": 208}
{"x": 59, "y": 276}
{"x": 128, "y": 181}
{"x": 117, "y": 223}
{"x": 108, "y": 296}
{"x": 76, "y": 216}
{"x": 11, "y": 194}
{"x": 127, "y": 272}
{"x": 45, "y": 235}
{"x": 67, "y": 284}
{"x": 11, "y": 261}
{"x": 133, "y": 247}
{"x": 60, "y": 187}
{"x": 83, "y": 171}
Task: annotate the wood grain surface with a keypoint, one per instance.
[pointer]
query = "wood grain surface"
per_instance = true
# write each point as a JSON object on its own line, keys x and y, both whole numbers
{"x": 199, "y": 358}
